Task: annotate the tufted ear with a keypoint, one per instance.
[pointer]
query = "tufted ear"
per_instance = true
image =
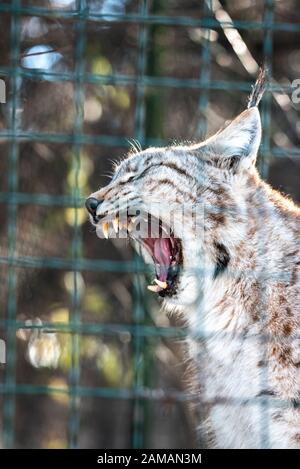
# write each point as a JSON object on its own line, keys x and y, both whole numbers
{"x": 236, "y": 146}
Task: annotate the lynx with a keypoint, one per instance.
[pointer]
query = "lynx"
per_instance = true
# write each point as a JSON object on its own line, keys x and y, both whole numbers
{"x": 233, "y": 273}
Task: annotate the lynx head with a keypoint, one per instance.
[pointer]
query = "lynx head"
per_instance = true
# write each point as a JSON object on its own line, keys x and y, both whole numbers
{"x": 179, "y": 205}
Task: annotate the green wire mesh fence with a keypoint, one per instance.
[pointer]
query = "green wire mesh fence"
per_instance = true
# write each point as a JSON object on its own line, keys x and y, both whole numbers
{"x": 150, "y": 20}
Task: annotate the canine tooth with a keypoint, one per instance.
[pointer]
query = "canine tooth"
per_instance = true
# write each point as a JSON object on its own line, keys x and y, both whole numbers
{"x": 154, "y": 288}
{"x": 105, "y": 229}
{"x": 161, "y": 284}
{"x": 115, "y": 223}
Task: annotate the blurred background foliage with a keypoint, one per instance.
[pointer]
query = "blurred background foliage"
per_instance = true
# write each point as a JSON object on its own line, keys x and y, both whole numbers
{"x": 48, "y": 164}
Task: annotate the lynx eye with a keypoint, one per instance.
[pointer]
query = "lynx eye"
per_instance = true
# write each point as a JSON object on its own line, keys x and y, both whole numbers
{"x": 130, "y": 179}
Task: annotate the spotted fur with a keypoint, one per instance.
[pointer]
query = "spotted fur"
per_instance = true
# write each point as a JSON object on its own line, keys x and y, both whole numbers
{"x": 239, "y": 285}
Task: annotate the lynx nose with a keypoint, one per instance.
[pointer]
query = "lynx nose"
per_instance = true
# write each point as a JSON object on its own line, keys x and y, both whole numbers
{"x": 91, "y": 204}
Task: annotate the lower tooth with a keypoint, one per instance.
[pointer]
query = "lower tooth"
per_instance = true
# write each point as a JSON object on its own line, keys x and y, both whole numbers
{"x": 154, "y": 288}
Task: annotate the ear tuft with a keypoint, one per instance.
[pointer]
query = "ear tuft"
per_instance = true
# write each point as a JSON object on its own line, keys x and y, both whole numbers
{"x": 259, "y": 88}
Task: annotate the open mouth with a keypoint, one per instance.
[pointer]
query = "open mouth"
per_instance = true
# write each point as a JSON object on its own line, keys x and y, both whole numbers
{"x": 164, "y": 248}
{"x": 166, "y": 253}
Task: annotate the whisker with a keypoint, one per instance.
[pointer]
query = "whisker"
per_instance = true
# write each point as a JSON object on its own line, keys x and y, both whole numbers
{"x": 135, "y": 145}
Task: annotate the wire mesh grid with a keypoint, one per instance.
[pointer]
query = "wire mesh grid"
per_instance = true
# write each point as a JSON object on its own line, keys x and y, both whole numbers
{"x": 12, "y": 198}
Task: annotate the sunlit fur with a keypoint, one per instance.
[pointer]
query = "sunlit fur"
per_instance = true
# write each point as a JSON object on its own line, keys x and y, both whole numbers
{"x": 244, "y": 318}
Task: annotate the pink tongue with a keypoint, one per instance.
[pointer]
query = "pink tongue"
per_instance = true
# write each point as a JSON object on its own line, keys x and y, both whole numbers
{"x": 162, "y": 253}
